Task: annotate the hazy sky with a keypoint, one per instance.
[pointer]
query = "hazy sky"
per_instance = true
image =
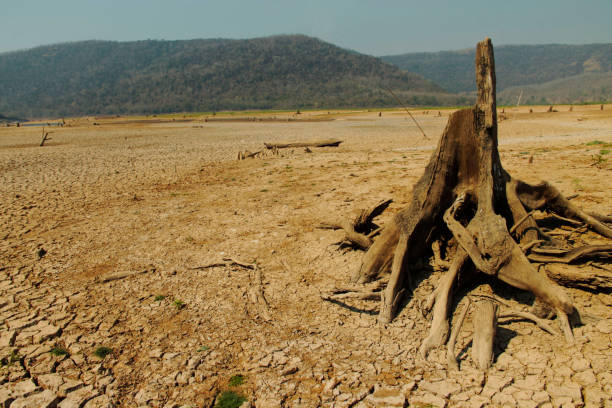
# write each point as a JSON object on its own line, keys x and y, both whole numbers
{"x": 372, "y": 27}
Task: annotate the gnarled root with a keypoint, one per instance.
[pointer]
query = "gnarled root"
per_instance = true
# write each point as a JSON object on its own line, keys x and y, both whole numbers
{"x": 438, "y": 333}
{"x": 546, "y": 196}
{"x": 394, "y": 291}
{"x": 359, "y": 228}
{"x": 450, "y": 346}
{"x": 485, "y": 326}
{"x": 380, "y": 255}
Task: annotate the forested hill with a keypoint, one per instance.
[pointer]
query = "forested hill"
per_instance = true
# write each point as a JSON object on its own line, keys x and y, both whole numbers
{"x": 287, "y": 72}
{"x": 521, "y": 65}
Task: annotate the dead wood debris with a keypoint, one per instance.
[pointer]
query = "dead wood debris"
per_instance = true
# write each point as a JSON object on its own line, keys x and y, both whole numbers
{"x": 226, "y": 262}
{"x": 45, "y": 137}
{"x": 273, "y": 148}
{"x": 320, "y": 143}
{"x": 120, "y": 275}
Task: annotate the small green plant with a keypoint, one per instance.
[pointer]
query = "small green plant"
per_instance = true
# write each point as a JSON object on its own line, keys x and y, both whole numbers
{"x": 179, "y": 304}
{"x": 203, "y": 348}
{"x": 229, "y": 399}
{"x": 595, "y": 142}
{"x": 58, "y": 351}
{"x": 159, "y": 298}
{"x": 577, "y": 184}
{"x": 236, "y": 380}
{"x": 102, "y": 352}
{"x": 604, "y": 152}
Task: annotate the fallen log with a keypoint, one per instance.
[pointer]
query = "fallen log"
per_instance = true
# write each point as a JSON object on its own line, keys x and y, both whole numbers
{"x": 320, "y": 143}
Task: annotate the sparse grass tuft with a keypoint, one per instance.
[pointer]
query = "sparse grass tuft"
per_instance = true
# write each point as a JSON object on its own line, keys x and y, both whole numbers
{"x": 102, "y": 352}
{"x": 179, "y": 304}
{"x": 236, "y": 380}
{"x": 599, "y": 159}
{"x": 159, "y": 298}
{"x": 11, "y": 359}
{"x": 58, "y": 351}
{"x": 229, "y": 399}
{"x": 595, "y": 142}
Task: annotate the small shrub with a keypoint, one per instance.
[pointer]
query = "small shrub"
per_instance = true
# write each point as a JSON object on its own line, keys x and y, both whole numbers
{"x": 58, "y": 351}
{"x": 236, "y": 380}
{"x": 229, "y": 399}
{"x": 159, "y": 298}
{"x": 102, "y": 352}
{"x": 179, "y": 304}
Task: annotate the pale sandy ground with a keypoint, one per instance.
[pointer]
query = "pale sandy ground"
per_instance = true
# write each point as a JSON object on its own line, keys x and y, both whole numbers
{"x": 166, "y": 198}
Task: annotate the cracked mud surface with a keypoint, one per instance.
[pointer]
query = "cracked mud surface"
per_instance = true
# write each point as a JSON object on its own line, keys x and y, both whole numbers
{"x": 163, "y": 200}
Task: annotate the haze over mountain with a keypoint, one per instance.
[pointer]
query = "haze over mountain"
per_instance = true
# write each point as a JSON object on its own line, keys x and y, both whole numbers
{"x": 285, "y": 72}
{"x": 545, "y": 73}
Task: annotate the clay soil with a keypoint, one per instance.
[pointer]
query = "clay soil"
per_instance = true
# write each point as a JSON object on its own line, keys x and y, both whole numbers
{"x": 166, "y": 198}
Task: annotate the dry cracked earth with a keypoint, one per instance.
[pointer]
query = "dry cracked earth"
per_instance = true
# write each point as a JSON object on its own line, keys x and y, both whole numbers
{"x": 114, "y": 290}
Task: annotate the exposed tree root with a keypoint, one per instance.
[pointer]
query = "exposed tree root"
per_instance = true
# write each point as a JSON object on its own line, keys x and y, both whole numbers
{"x": 490, "y": 215}
{"x": 361, "y": 228}
{"x": 370, "y": 292}
{"x": 450, "y": 346}
{"x": 485, "y": 326}
{"x": 541, "y": 323}
{"x": 438, "y": 333}
{"x": 570, "y": 255}
{"x": 578, "y": 278}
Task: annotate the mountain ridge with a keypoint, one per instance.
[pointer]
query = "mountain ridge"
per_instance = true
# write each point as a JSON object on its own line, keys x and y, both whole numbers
{"x": 516, "y": 66}
{"x": 156, "y": 76}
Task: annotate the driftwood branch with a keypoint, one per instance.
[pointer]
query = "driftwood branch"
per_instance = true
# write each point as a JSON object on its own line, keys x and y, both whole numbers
{"x": 226, "y": 262}
{"x": 118, "y": 275}
{"x": 321, "y": 143}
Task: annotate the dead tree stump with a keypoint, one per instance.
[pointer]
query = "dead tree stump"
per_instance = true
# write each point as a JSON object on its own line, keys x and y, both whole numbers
{"x": 466, "y": 194}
